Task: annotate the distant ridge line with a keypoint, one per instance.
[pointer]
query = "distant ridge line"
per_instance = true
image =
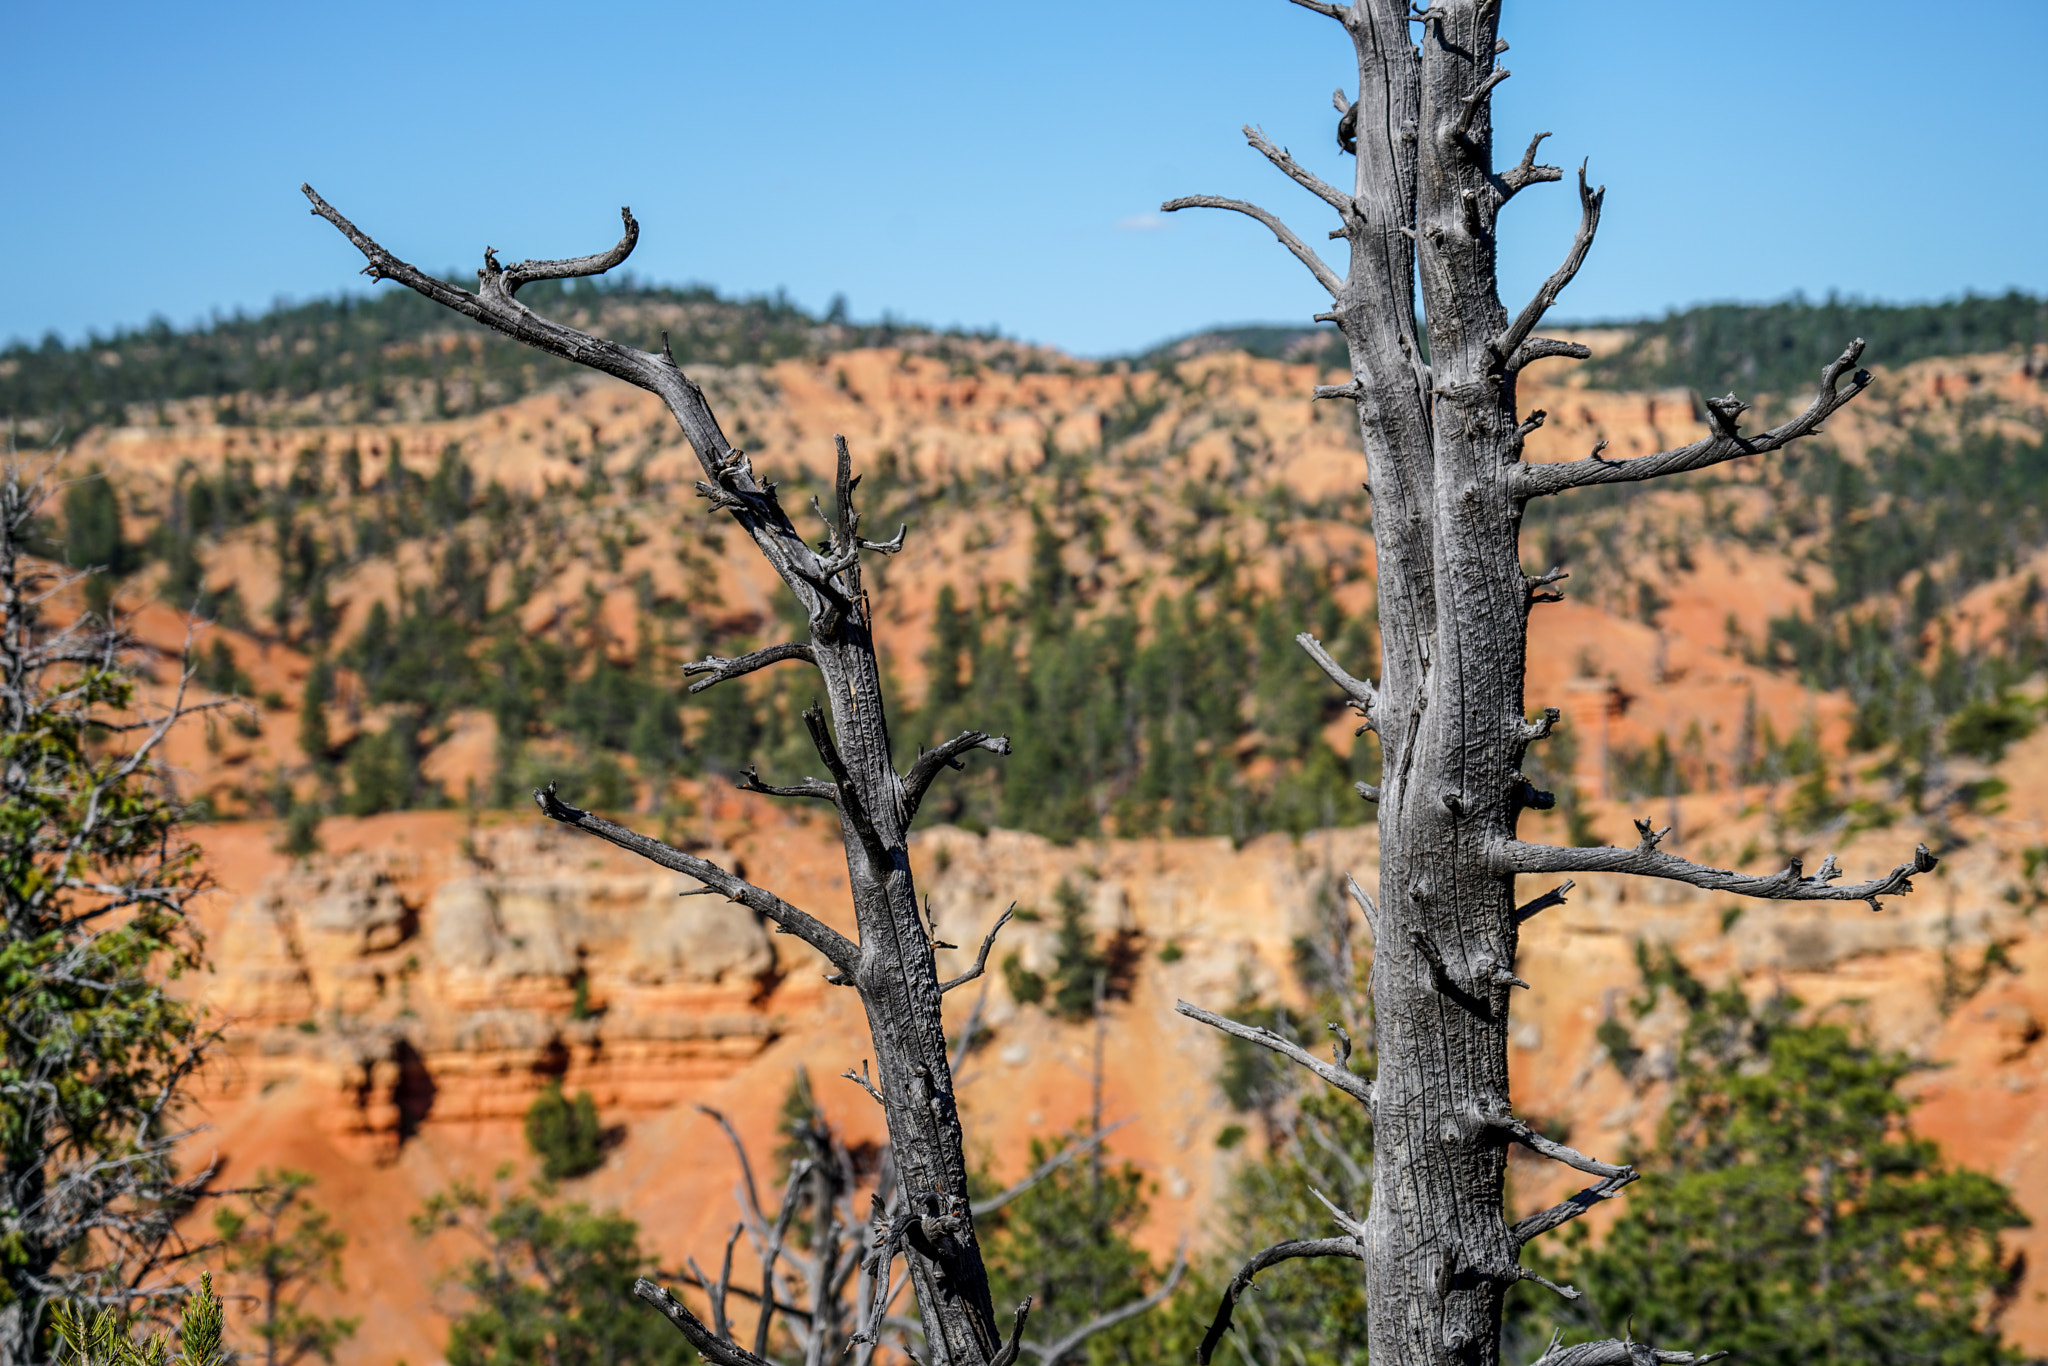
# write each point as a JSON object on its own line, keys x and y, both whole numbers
{"x": 1769, "y": 348}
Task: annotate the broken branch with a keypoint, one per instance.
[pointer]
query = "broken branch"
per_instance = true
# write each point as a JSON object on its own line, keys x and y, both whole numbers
{"x": 1364, "y": 696}
{"x": 981, "y": 959}
{"x": 1459, "y": 134}
{"x": 511, "y": 277}
{"x": 722, "y": 669}
{"x": 1565, "y": 1211}
{"x": 1344, "y": 1080}
{"x": 1534, "y": 481}
{"x": 1325, "y": 276}
{"x": 1527, "y": 172}
{"x": 843, "y": 953}
{"x": 1615, "y": 1352}
{"x": 1525, "y": 322}
{"x": 1272, "y": 1256}
{"x": 1552, "y": 1149}
{"x": 750, "y": 781}
{"x": 919, "y": 779}
{"x": 1540, "y": 348}
{"x": 850, "y": 804}
{"x": 1553, "y": 897}
{"x": 713, "y": 1348}
{"x": 1646, "y": 860}
{"x": 1299, "y": 174}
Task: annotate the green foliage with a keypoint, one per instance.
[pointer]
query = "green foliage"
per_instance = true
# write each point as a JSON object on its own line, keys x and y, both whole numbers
{"x": 564, "y": 1133}
{"x": 1257, "y": 1080}
{"x": 1066, "y": 1242}
{"x": 1080, "y": 971}
{"x": 1984, "y": 730}
{"x": 319, "y": 691}
{"x": 1779, "y": 348}
{"x": 1789, "y": 1214}
{"x": 301, "y": 828}
{"x": 1903, "y": 535}
{"x": 1323, "y": 345}
{"x": 553, "y": 1283}
{"x": 1813, "y": 803}
{"x": 1316, "y": 1307}
{"x": 286, "y": 1245}
{"x": 92, "y": 537}
{"x": 218, "y": 671}
{"x": 798, "y": 1118}
{"x": 1144, "y": 723}
{"x": 384, "y": 770}
{"x": 1026, "y": 987}
{"x": 95, "y": 1050}
{"x": 103, "y": 1339}
{"x": 1619, "y": 1044}
{"x": 1310, "y": 1312}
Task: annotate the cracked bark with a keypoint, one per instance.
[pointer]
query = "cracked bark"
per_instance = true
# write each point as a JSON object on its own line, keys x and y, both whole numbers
{"x": 1443, "y": 448}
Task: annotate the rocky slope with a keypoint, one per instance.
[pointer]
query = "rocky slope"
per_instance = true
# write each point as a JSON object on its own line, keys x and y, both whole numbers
{"x": 398, "y": 997}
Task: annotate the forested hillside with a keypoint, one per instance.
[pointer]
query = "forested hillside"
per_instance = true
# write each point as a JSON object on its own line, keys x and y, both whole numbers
{"x": 500, "y": 578}
{"x": 390, "y": 354}
{"x": 495, "y": 575}
{"x": 1751, "y": 349}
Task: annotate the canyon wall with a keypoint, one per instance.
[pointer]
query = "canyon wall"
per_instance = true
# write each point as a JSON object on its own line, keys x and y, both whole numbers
{"x": 397, "y": 1000}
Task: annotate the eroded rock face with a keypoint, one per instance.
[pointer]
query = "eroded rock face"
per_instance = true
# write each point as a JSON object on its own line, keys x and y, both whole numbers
{"x": 551, "y": 925}
{"x": 428, "y": 982}
{"x": 398, "y": 1002}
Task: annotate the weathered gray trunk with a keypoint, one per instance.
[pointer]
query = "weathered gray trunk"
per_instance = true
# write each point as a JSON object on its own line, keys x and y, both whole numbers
{"x": 899, "y": 989}
{"x": 1443, "y": 453}
{"x": 1449, "y": 711}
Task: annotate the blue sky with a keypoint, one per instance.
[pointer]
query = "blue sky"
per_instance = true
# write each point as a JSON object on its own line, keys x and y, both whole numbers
{"x": 985, "y": 164}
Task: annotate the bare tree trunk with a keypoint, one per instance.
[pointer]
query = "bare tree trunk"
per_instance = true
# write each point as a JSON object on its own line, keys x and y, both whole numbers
{"x": 892, "y": 964}
{"x": 1443, "y": 444}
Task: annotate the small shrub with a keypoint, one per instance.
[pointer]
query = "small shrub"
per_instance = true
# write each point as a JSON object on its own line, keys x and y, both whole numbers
{"x": 1984, "y": 730}
{"x": 1027, "y": 988}
{"x": 564, "y": 1133}
{"x": 1621, "y": 1046}
{"x": 302, "y": 830}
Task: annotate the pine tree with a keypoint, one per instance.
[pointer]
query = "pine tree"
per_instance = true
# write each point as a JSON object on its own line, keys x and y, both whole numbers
{"x": 92, "y": 537}
{"x": 286, "y": 1245}
{"x": 103, "y": 1339}
{"x": 565, "y": 1134}
{"x": 1790, "y": 1209}
{"x": 95, "y": 1053}
{"x": 553, "y": 1284}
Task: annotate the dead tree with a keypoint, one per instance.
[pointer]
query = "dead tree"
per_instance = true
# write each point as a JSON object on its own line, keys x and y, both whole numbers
{"x": 1443, "y": 446}
{"x": 892, "y": 962}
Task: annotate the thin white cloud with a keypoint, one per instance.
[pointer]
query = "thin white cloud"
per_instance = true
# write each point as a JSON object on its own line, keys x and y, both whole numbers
{"x": 1143, "y": 222}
